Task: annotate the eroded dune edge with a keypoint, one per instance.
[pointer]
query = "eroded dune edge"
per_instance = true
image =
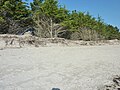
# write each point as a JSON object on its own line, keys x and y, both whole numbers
{"x": 18, "y": 41}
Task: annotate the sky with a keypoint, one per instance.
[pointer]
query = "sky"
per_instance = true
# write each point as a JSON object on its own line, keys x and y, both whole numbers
{"x": 109, "y": 10}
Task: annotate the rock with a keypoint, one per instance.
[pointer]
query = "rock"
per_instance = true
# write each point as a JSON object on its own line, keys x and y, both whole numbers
{"x": 55, "y": 89}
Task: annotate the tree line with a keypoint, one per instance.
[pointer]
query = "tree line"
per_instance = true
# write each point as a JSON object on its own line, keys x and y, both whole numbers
{"x": 48, "y": 19}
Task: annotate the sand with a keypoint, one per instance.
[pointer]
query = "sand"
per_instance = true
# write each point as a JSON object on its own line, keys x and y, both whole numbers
{"x": 67, "y": 68}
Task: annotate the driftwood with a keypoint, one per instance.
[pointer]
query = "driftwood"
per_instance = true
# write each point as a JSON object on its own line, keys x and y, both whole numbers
{"x": 115, "y": 84}
{"x": 19, "y": 41}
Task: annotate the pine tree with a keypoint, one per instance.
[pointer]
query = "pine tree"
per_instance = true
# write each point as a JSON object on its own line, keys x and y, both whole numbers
{"x": 47, "y": 15}
{"x": 14, "y": 12}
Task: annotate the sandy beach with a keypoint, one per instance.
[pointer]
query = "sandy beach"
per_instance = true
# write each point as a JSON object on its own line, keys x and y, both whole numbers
{"x": 67, "y": 68}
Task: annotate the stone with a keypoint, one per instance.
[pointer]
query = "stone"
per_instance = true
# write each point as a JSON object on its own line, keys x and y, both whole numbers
{"x": 55, "y": 89}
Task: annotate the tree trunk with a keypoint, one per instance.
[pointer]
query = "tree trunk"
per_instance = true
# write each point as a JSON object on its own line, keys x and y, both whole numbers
{"x": 55, "y": 34}
{"x": 51, "y": 28}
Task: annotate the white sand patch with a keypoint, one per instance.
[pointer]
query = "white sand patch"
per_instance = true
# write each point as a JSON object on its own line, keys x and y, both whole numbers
{"x": 68, "y": 68}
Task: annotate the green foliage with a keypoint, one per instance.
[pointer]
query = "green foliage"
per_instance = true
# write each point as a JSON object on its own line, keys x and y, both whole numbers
{"x": 15, "y": 9}
{"x": 1, "y": 19}
{"x": 49, "y": 8}
{"x": 13, "y": 12}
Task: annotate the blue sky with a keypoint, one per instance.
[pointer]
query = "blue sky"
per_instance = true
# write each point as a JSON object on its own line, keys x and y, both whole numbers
{"x": 109, "y": 10}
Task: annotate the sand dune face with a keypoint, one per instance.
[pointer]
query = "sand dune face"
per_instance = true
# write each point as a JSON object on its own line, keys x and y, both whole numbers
{"x": 67, "y": 68}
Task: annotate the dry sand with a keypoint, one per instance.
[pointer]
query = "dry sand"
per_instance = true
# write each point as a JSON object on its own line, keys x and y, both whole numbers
{"x": 68, "y": 68}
